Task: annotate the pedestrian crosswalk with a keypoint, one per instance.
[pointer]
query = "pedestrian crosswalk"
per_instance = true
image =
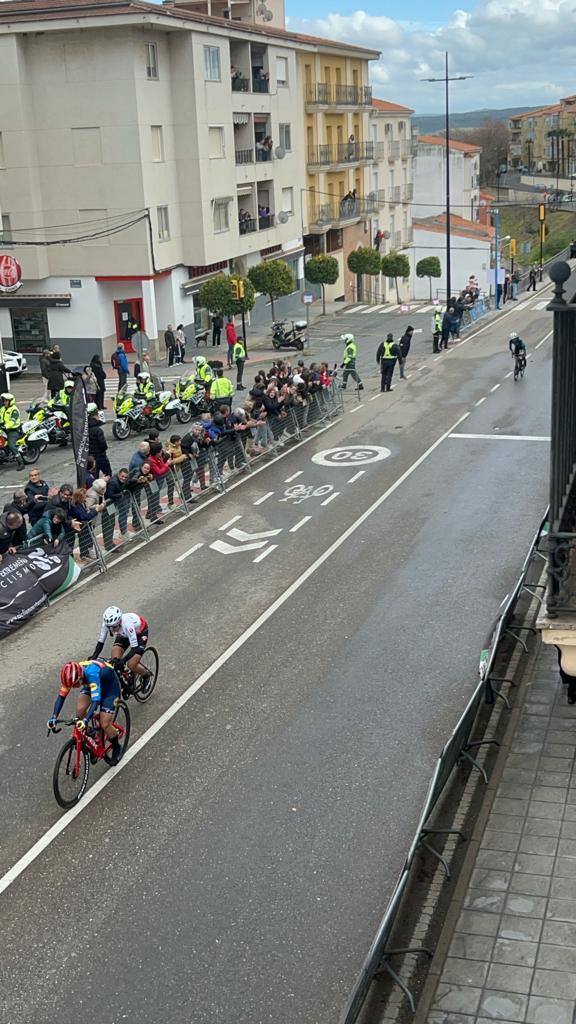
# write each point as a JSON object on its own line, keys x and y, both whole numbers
{"x": 366, "y": 309}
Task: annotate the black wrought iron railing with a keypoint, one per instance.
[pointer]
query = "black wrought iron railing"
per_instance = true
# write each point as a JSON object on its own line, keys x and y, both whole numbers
{"x": 246, "y": 225}
{"x": 327, "y": 94}
{"x": 341, "y": 153}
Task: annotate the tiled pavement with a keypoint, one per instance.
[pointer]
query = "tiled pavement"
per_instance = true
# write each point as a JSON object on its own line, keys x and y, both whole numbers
{"x": 512, "y": 956}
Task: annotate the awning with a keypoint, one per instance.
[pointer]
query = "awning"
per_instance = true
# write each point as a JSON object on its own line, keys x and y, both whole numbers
{"x": 19, "y": 301}
{"x": 244, "y": 190}
{"x": 240, "y": 118}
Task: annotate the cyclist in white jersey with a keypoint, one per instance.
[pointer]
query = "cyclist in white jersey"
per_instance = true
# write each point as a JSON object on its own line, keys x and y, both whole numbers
{"x": 130, "y": 632}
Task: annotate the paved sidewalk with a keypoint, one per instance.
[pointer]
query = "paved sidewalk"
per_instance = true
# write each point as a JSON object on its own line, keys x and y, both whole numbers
{"x": 512, "y": 957}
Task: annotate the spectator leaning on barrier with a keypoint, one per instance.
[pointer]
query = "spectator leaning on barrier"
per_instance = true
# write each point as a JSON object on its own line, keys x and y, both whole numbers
{"x": 50, "y": 529}
{"x": 118, "y": 494}
{"x": 83, "y": 514}
{"x": 11, "y": 525}
{"x": 97, "y": 443}
{"x": 37, "y": 493}
{"x": 18, "y": 504}
{"x": 63, "y": 500}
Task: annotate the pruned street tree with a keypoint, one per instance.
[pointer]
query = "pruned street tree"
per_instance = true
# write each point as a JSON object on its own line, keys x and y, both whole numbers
{"x": 396, "y": 265}
{"x": 272, "y": 278}
{"x": 429, "y": 267}
{"x": 322, "y": 270}
{"x": 363, "y": 261}
{"x": 217, "y": 295}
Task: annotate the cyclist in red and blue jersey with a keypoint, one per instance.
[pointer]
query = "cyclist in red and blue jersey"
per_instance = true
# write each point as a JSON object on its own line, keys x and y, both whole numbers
{"x": 130, "y": 632}
{"x": 99, "y": 690}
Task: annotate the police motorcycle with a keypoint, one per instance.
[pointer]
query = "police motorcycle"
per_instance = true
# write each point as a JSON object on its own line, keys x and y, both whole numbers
{"x": 189, "y": 400}
{"x": 54, "y": 421}
{"x": 138, "y": 411}
{"x": 32, "y": 442}
{"x": 284, "y": 336}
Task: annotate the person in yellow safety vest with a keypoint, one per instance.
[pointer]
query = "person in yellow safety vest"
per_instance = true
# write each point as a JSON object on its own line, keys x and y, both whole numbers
{"x": 203, "y": 372}
{"x": 239, "y": 357}
{"x": 10, "y": 422}
{"x": 349, "y": 362}
{"x": 437, "y": 330}
{"x": 62, "y": 399}
{"x": 386, "y": 356}
{"x": 186, "y": 388}
{"x": 221, "y": 389}
{"x": 144, "y": 387}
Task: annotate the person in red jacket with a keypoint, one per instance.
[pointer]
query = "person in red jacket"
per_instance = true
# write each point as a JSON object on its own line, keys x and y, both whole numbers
{"x": 231, "y": 338}
{"x": 159, "y": 469}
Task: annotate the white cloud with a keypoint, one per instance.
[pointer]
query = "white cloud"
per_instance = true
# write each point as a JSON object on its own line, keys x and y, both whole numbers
{"x": 509, "y": 46}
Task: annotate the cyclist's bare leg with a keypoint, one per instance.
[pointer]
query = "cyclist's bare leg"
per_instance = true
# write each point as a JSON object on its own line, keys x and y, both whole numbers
{"x": 106, "y": 721}
{"x": 136, "y": 667}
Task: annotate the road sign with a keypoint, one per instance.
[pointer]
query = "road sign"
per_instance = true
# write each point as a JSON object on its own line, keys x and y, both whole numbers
{"x": 351, "y": 455}
{"x": 306, "y": 298}
{"x": 10, "y": 274}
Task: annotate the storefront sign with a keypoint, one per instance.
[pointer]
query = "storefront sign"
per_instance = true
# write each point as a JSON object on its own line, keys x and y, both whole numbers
{"x": 10, "y": 274}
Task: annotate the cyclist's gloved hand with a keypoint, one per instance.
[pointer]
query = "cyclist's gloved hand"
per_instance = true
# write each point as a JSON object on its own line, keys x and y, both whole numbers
{"x": 51, "y": 723}
{"x": 81, "y": 724}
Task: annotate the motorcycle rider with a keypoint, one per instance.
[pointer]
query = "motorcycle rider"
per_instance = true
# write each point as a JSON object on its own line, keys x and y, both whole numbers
{"x": 10, "y": 422}
{"x": 145, "y": 387}
{"x": 203, "y": 372}
{"x": 62, "y": 399}
{"x": 222, "y": 389}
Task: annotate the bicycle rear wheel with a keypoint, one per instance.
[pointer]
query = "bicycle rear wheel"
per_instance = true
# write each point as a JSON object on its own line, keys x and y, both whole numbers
{"x": 151, "y": 663}
{"x": 516, "y": 372}
{"x": 122, "y": 720}
{"x": 70, "y": 777}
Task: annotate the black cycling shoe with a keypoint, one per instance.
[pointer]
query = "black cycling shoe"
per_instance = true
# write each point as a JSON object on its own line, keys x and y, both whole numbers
{"x": 116, "y": 753}
{"x": 146, "y": 680}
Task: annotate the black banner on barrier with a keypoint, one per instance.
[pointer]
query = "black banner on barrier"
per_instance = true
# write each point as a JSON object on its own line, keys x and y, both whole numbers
{"x": 28, "y": 579}
{"x": 78, "y": 416}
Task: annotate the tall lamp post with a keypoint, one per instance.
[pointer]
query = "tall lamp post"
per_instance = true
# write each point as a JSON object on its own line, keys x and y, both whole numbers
{"x": 446, "y": 79}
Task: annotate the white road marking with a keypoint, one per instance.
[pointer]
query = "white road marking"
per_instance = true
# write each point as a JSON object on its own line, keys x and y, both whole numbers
{"x": 391, "y": 309}
{"x": 356, "y": 407}
{"x": 293, "y": 477}
{"x": 242, "y": 536}
{"x": 195, "y": 547}
{"x": 500, "y": 437}
{"x": 356, "y": 476}
{"x": 68, "y": 817}
{"x": 540, "y": 343}
{"x": 480, "y": 400}
{"x": 354, "y": 309}
{"x": 436, "y": 358}
{"x": 260, "y": 501}
{"x": 331, "y": 498}
{"x": 508, "y": 374}
{"x": 426, "y": 309}
{"x": 541, "y": 305}
{"x": 301, "y": 522}
{"x": 371, "y": 309}
{"x": 224, "y": 548}
{"x": 230, "y": 522}
{"x": 495, "y": 388}
{"x": 268, "y": 551}
{"x": 423, "y": 367}
{"x": 374, "y": 397}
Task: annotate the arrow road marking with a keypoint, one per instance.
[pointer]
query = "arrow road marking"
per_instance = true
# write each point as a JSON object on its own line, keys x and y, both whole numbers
{"x": 242, "y": 536}
{"x": 233, "y": 549}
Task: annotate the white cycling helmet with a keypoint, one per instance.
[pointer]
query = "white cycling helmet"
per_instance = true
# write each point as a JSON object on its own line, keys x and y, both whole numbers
{"x": 68, "y": 383}
{"x": 513, "y": 336}
{"x": 112, "y": 616}
{"x": 346, "y": 338}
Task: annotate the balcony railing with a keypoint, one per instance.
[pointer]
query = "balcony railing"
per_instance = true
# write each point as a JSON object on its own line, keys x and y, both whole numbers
{"x": 244, "y": 156}
{"x": 407, "y": 236}
{"x": 246, "y": 225}
{"x": 407, "y": 193}
{"x": 341, "y": 153}
{"x": 265, "y": 221}
{"x": 396, "y": 240}
{"x": 394, "y": 194}
{"x": 324, "y": 94}
{"x": 240, "y": 85}
{"x": 263, "y": 155}
{"x": 393, "y": 150}
{"x": 335, "y": 211}
{"x": 260, "y": 84}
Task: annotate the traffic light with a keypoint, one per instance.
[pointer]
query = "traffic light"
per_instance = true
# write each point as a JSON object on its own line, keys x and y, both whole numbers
{"x": 513, "y": 248}
{"x": 235, "y": 289}
{"x": 240, "y": 288}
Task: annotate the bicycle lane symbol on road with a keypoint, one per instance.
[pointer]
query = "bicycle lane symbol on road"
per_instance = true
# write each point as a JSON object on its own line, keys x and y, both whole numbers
{"x": 352, "y": 455}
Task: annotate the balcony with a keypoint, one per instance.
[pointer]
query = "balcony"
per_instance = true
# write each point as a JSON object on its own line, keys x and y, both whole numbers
{"x": 265, "y": 221}
{"x": 407, "y": 236}
{"x": 393, "y": 150}
{"x": 244, "y": 156}
{"x": 246, "y": 225}
{"x": 341, "y": 153}
{"x": 515, "y": 149}
{"x": 407, "y": 193}
{"x": 334, "y": 212}
{"x": 240, "y": 84}
{"x": 396, "y": 240}
{"x": 260, "y": 84}
{"x": 394, "y": 194}
{"x": 324, "y": 94}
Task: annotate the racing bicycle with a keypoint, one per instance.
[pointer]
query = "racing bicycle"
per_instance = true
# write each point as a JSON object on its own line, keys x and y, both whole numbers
{"x": 133, "y": 684}
{"x": 519, "y": 365}
{"x": 86, "y": 747}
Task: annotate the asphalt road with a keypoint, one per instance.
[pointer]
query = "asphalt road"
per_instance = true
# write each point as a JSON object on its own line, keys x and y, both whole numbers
{"x": 235, "y": 867}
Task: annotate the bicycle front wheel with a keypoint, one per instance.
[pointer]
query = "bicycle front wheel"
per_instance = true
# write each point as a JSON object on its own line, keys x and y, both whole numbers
{"x": 122, "y": 720}
{"x": 70, "y": 776}
{"x": 151, "y": 663}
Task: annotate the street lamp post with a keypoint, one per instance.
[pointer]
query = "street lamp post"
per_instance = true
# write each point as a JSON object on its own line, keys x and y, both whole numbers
{"x": 446, "y": 79}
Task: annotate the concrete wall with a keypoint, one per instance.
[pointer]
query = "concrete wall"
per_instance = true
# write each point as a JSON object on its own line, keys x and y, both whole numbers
{"x": 469, "y": 256}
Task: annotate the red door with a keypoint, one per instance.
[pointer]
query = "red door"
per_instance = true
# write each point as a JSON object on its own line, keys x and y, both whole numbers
{"x": 128, "y": 313}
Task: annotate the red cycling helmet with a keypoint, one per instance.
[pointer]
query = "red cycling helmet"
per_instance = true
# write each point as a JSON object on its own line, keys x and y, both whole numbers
{"x": 71, "y": 674}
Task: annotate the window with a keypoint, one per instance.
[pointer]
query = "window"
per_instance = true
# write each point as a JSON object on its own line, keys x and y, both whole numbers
{"x": 86, "y": 145}
{"x": 157, "y": 139}
{"x": 281, "y": 70}
{"x": 212, "y": 63}
{"x": 401, "y": 126}
{"x": 215, "y": 143}
{"x": 288, "y": 200}
{"x": 151, "y": 61}
{"x": 285, "y": 138}
{"x": 388, "y": 129}
{"x": 221, "y": 215}
{"x": 163, "y": 224}
{"x": 6, "y": 233}
{"x": 30, "y": 330}
{"x": 2, "y": 162}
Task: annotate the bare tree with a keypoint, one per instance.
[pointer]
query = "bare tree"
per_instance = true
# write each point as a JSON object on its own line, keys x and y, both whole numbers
{"x": 493, "y": 137}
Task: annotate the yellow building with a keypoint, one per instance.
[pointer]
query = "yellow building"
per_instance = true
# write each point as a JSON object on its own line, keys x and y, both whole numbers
{"x": 338, "y": 149}
{"x": 544, "y": 140}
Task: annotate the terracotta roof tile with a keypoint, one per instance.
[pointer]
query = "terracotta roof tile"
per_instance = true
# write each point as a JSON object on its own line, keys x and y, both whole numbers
{"x": 393, "y": 108}
{"x": 458, "y": 226}
{"x": 440, "y": 140}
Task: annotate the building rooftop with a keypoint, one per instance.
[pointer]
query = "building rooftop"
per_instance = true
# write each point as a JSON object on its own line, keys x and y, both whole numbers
{"x": 455, "y": 144}
{"x": 458, "y": 226}
{"x": 555, "y": 108}
{"x": 392, "y": 108}
{"x": 14, "y": 12}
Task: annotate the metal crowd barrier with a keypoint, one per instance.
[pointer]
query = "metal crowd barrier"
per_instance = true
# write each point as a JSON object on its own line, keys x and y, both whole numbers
{"x": 137, "y": 514}
{"x": 458, "y": 747}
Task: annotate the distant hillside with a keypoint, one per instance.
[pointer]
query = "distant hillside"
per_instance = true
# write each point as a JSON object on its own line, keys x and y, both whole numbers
{"x": 470, "y": 119}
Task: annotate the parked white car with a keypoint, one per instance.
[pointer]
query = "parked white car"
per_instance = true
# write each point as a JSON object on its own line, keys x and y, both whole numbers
{"x": 15, "y": 363}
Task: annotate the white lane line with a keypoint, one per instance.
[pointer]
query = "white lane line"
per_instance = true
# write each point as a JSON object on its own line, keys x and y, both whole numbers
{"x": 495, "y": 388}
{"x": 230, "y": 522}
{"x": 436, "y": 358}
{"x": 356, "y": 476}
{"x": 267, "y": 551}
{"x": 545, "y": 338}
{"x": 479, "y": 402}
{"x": 540, "y": 343}
{"x": 195, "y": 547}
{"x": 374, "y": 397}
{"x": 426, "y": 309}
{"x": 356, "y": 407}
{"x": 354, "y": 309}
{"x": 500, "y": 437}
{"x": 302, "y": 521}
{"x": 391, "y": 309}
{"x": 289, "y": 479}
{"x": 423, "y": 367}
{"x": 260, "y": 501}
{"x": 371, "y": 309}
{"x": 331, "y": 498}
{"x": 508, "y": 374}
{"x": 540, "y": 305}
{"x": 68, "y": 817}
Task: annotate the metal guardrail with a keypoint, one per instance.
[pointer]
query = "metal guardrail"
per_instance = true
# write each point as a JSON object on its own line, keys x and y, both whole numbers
{"x": 459, "y": 746}
{"x": 136, "y": 514}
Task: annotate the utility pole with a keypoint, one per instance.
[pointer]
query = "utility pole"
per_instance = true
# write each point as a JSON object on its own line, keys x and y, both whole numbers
{"x": 446, "y": 79}
{"x": 496, "y": 253}
{"x": 542, "y": 219}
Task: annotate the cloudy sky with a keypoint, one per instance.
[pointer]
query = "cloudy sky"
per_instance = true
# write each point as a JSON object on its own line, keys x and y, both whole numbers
{"x": 521, "y": 52}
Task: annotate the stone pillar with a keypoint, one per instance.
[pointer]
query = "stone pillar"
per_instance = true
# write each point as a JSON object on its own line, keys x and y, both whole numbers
{"x": 150, "y": 318}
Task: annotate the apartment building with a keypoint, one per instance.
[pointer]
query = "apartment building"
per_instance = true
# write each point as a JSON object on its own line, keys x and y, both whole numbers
{"x": 163, "y": 144}
{"x": 430, "y": 177}
{"x": 339, "y": 153}
{"x": 544, "y": 140}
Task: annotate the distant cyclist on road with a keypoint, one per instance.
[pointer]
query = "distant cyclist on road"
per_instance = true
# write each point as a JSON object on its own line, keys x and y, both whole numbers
{"x": 130, "y": 632}
{"x": 517, "y": 348}
{"x": 99, "y": 690}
